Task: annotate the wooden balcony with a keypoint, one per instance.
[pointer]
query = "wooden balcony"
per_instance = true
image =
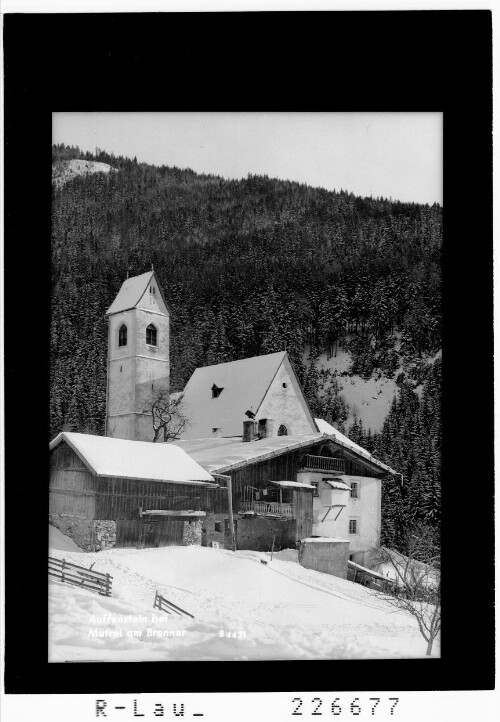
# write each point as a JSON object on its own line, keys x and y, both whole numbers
{"x": 267, "y": 507}
{"x": 323, "y": 463}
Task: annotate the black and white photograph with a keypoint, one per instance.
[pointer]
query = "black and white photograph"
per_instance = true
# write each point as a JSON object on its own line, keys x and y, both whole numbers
{"x": 248, "y": 362}
{"x": 245, "y": 386}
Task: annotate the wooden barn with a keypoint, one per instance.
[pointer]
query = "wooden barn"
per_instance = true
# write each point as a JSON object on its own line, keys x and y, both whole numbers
{"x": 114, "y": 492}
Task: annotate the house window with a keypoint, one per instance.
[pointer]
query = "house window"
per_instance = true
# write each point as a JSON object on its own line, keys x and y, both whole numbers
{"x": 216, "y": 391}
{"x": 353, "y": 526}
{"x": 354, "y": 490}
{"x": 151, "y": 335}
{"x": 122, "y": 336}
{"x": 219, "y": 526}
{"x": 282, "y": 431}
{"x": 316, "y": 487}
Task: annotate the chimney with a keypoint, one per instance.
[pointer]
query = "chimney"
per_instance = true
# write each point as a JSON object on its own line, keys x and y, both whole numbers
{"x": 266, "y": 428}
{"x": 249, "y": 430}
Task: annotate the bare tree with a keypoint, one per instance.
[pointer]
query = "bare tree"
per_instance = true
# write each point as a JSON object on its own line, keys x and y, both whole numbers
{"x": 168, "y": 415}
{"x": 417, "y": 582}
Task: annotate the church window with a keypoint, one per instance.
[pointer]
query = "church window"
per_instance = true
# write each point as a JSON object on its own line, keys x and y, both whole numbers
{"x": 216, "y": 391}
{"x": 151, "y": 335}
{"x": 282, "y": 431}
{"x": 122, "y": 336}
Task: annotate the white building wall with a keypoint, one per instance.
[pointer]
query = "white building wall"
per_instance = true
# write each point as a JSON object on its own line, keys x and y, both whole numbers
{"x": 282, "y": 404}
{"x": 366, "y": 509}
{"x": 133, "y": 371}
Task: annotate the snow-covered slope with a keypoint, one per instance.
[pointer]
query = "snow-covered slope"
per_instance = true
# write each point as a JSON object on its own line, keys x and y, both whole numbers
{"x": 275, "y": 611}
{"x": 368, "y": 399}
{"x": 58, "y": 540}
{"x": 69, "y": 169}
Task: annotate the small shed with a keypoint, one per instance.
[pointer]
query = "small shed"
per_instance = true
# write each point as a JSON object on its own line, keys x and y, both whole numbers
{"x": 115, "y": 492}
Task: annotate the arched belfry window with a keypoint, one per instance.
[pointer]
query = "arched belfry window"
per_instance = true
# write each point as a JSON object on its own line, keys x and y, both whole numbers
{"x": 151, "y": 335}
{"x": 122, "y": 336}
{"x": 282, "y": 431}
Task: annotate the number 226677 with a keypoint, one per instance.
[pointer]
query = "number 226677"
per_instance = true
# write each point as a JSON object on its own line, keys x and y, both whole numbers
{"x": 318, "y": 707}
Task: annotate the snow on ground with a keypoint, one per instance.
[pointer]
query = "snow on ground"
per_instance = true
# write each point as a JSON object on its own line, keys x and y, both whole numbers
{"x": 368, "y": 399}
{"x": 58, "y": 540}
{"x": 282, "y": 610}
{"x": 69, "y": 169}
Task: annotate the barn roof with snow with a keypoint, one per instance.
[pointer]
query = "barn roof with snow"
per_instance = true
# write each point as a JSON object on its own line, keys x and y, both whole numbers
{"x": 219, "y": 396}
{"x": 121, "y": 458}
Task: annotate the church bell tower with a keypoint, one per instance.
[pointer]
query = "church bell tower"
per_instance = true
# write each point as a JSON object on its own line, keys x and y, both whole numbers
{"x": 138, "y": 357}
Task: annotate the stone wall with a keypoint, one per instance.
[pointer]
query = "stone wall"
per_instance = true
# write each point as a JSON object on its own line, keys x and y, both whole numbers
{"x": 192, "y": 533}
{"x": 325, "y": 555}
{"x": 257, "y": 533}
{"x": 104, "y": 534}
{"x": 89, "y": 535}
{"x": 213, "y": 529}
{"x": 76, "y": 527}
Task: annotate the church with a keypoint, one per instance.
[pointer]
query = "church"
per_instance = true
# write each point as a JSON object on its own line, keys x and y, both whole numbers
{"x": 251, "y": 468}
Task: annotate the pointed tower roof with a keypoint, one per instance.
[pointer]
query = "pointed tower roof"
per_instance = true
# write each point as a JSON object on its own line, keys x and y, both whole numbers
{"x": 132, "y": 291}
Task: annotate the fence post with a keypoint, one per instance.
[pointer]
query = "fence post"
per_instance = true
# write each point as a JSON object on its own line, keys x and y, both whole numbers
{"x": 231, "y": 520}
{"x": 108, "y": 585}
{"x": 62, "y": 570}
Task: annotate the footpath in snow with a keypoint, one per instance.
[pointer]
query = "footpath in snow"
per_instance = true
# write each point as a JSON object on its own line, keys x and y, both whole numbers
{"x": 243, "y": 610}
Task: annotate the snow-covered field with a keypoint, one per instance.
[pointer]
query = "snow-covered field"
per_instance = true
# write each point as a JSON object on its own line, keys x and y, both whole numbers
{"x": 276, "y": 611}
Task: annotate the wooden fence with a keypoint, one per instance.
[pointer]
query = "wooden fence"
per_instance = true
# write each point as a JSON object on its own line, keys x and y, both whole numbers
{"x": 165, "y": 606}
{"x": 80, "y": 576}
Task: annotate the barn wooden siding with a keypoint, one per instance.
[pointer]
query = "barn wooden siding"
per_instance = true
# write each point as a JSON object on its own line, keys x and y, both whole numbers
{"x": 121, "y": 498}
{"x": 74, "y": 490}
{"x": 303, "y": 512}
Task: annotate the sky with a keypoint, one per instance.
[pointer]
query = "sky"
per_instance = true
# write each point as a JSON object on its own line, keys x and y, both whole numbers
{"x": 394, "y": 155}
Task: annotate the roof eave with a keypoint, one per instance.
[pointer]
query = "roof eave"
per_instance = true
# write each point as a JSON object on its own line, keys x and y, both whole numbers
{"x": 187, "y": 482}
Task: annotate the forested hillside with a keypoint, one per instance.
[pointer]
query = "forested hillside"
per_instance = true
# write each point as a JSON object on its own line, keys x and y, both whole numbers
{"x": 250, "y": 267}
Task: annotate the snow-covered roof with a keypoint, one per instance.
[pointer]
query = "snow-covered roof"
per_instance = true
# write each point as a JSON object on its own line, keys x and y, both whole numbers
{"x": 133, "y": 290}
{"x": 294, "y": 484}
{"x": 338, "y": 484}
{"x": 126, "y": 459}
{"x": 221, "y": 455}
{"x": 244, "y": 384}
{"x": 130, "y": 293}
{"x": 330, "y": 430}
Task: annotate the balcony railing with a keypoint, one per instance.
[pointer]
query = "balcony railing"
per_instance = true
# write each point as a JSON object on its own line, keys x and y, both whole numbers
{"x": 324, "y": 463}
{"x": 267, "y": 507}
